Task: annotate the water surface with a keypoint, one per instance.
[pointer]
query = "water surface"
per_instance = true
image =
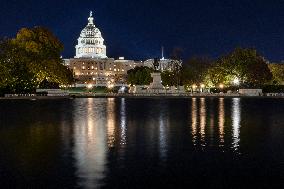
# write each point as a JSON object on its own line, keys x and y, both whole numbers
{"x": 142, "y": 143}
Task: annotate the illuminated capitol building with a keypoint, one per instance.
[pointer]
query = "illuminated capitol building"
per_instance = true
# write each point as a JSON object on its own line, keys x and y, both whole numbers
{"x": 91, "y": 64}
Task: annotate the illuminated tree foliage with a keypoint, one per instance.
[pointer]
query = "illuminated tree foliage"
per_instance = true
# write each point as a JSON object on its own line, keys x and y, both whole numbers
{"x": 31, "y": 58}
{"x": 277, "y": 71}
{"x": 245, "y": 64}
{"x": 15, "y": 75}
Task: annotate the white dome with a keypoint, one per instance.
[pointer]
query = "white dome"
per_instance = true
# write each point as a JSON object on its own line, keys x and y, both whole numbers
{"x": 90, "y": 42}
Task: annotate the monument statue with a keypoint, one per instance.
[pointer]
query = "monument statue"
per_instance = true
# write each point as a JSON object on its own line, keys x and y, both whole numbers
{"x": 156, "y": 64}
{"x": 156, "y": 86}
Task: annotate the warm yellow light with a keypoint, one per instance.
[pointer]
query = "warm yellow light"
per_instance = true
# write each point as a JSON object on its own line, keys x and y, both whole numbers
{"x": 89, "y": 86}
{"x": 202, "y": 85}
{"x": 194, "y": 86}
{"x": 221, "y": 86}
{"x": 236, "y": 81}
{"x": 110, "y": 86}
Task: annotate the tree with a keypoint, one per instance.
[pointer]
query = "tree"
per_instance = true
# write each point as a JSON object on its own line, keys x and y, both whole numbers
{"x": 167, "y": 78}
{"x": 277, "y": 71}
{"x": 246, "y": 65}
{"x": 43, "y": 54}
{"x": 31, "y": 58}
{"x": 15, "y": 75}
{"x": 194, "y": 70}
{"x": 139, "y": 76}
{"x": 176, "y": 65}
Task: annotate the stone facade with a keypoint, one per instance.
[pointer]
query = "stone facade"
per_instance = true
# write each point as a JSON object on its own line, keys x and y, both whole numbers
{"x": 101, "y": 72}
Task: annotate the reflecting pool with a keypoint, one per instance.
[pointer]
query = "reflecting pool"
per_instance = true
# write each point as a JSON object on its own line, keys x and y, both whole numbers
{"x": 142, "y": 143}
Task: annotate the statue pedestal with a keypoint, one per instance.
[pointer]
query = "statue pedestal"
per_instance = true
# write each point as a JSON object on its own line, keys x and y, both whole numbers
{"x": 156, "y": 85}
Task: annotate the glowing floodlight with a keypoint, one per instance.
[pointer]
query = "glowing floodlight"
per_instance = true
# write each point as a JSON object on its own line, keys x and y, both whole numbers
{"x": 236, "y": 81}
{"x": 89, "y": 86}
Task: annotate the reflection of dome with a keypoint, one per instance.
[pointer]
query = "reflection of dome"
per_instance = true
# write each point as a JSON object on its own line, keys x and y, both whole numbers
{"x": 90, "y": 42}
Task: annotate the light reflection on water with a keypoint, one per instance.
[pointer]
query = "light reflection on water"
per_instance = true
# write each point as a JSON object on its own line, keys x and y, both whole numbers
{"x": 122, "y": 122}
{"x": 221, "y": 120}
{"x": 163, "y": 127}
{"x": 110, "y": 108}
{"x": 105, "y": 142}
{"x": 236, "y": 119}
{"x": 90, "y": 142}
{"x": 194, "y": 121}
{"x": 100, "y": 125}
{"x": 202, "y": 114}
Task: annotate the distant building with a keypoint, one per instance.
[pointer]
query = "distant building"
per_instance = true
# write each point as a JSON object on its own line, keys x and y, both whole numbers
{"x": 164, "y": 64}
{"x": 92, "y": 66}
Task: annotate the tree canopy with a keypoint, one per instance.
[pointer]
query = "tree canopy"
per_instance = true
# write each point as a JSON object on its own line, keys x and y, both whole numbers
{"x": 277, "y": 71}
{"x": 139, "y": 76}
{"x": 194, "y": 70}
{"x": 30, "y": 58}
{"x": 246, "y": 65}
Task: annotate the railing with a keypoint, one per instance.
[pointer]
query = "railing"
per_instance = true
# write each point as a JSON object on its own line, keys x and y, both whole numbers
{"x": 23, "y": 95}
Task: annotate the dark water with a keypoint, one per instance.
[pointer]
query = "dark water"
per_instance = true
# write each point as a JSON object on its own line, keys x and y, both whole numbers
{"x": 142, "y": 143}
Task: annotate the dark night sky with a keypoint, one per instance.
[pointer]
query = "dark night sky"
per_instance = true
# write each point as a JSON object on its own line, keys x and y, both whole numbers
{"x": 137, "y": 29}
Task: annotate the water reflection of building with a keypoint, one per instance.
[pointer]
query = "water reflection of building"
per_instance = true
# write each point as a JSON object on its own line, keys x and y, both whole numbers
{"x": 194, "y": 120}
{"x": 110, "y": 108}
{"x": 163, "y": 147}
{"x": 236, "y": 120}
{"x": 122, "y": 122}
{"x": 221, "y": 120}
{"x": 90, "y": 145}
{"x": 211, "y": 123}
{"x": 202, "y": 114}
